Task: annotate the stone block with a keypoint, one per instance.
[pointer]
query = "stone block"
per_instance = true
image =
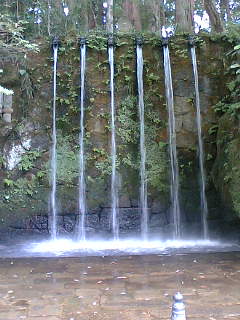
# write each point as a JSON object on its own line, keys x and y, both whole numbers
{"x": 1, "y": 103}
{"x": 7, "y": 117}
{"x": 7, "y": 108}
{"x": 124, "y": 201}
{"x": 7, "y": 101}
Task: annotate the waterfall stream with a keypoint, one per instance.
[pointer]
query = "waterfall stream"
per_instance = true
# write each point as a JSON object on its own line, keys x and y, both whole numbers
{"x": 143, "y": 179}
{"x": 114, "y": 182}
{"x": 172, "y": 143}
{"x": 204, "y": 206}
{"x": 54, "y": 151}
{"x": 82, "y": 188}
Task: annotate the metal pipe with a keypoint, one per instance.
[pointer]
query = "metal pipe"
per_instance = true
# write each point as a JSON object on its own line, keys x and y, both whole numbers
{"x": 165, "y": 41}
{"x": 191, "y": 41}
{"x": 110, "y": 41}
{"x": 82, "y": 41}
{"x": 55, "y": 42}
{"x": 139, "y": 41}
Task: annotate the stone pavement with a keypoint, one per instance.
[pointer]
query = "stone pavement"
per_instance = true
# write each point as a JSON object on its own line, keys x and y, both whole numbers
{"x": 120, "y": 288}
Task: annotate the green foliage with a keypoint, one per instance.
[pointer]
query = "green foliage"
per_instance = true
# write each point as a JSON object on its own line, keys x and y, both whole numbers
{"x": 26, "y": 83}
{"x": 128, "y": 131}
{"x": 28, "y": 160}
{"x": 8, "y": 182}
{"x": 230, "y": 104}
{"x": 68, "y": 89}
{"x": 16, "y": 189}
{"x": 179, "y": 48}
{"x": 157, "y": 166}
{"x": 101, "y": 160}
{"x": 157, "y": 152}
{"x": 97, "y": 41}
{"x": 232, "y": 171}
{"x": 230, "y": 108}
{"x": 232, "y": 32}
{"x": 13, "y": 34}
{"x": 104, "y": 165}
{"x": 67, "y": 160}
{"x": 24, "y": 186}
{"x": 2, "y": 161}
{"x": 213, "y": 129}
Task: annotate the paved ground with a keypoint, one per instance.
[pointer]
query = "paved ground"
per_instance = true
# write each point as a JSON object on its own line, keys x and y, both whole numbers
{"x": 120, "y": 288}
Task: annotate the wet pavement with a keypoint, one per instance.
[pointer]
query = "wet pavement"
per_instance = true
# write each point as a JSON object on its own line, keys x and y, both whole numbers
{"x": 120, "y": 288}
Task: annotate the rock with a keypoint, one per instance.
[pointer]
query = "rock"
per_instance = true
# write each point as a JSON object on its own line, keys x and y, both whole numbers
{"x": 34, "y": 132}
{"x": 13, "y": 151}
{"x": 158, "y": 220}
{"x": 186, "y": 140}
{"x": 124, "y": 201}
{"x": 159, "y": 206}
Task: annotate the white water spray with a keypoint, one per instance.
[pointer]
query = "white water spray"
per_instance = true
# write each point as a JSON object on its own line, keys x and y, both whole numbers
{"x": 54, "y": 145}
{"x": 82, "y": 187}
{"x": 114, "y": 183}
{"x": 143, "y": 178}
{"x": 172, "y": 143}
{"x": 204, "y": 206}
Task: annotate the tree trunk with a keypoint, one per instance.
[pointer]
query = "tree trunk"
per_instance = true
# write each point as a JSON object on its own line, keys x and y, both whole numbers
{"x": 225, "y": 10}
{"x": 184, "y": 16}
{"x": 110, "y": 16}
{"x": 158, "y": 14}
{"x": 84, "y": 16}
{"x": 131, "y": 11}
{"x": 214, "y": 16}
{"x": 58, "y": 4}
{"x": 93, "y": 15}
{"x": 49, "y": 18}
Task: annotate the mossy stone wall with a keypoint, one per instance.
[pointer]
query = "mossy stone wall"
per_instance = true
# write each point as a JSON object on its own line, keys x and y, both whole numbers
{"x": 25, "y": 187}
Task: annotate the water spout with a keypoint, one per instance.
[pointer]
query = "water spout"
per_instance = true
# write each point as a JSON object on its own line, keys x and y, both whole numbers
{"x": 53, "y": 223}
{"x": 191, "y": 41}
{"x": 111, "y": 42}
{"x": 55, "y": 42}
{"x": 114, "y": 182}
{"x": 172, "y": 141}
{"x": 143, "y": 177}
{"x": 204, "y": 206}
{"x": 165, "y": 42}
{"x": 82, "y": 187}
{"x": 82, "y": 42}
{"x": 139, "y": 42}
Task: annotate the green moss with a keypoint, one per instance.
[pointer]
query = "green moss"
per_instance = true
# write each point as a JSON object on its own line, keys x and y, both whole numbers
{"x": 21, "y": 193}
{"x": 128, "y": 131}
{"x": 232, "y": 172}
{"x": 226, "y": 170}
{"x": 28, "y": 160}
{"x": 157, "y": 166}
{"x": 67, "y": 160}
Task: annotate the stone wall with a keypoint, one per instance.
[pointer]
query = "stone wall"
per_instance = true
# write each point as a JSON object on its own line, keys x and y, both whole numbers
{"x": 25, "y": 144}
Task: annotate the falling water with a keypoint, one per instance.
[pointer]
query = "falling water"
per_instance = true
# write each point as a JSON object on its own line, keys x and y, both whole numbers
{"x": 82, "y": 187}
{"x": 114, "y": 185}
{"x": 204, "y": 207}
{"x": 143, "y": 180}
{"x": 172, "y": 143}
{"x": 54, "y": 143}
